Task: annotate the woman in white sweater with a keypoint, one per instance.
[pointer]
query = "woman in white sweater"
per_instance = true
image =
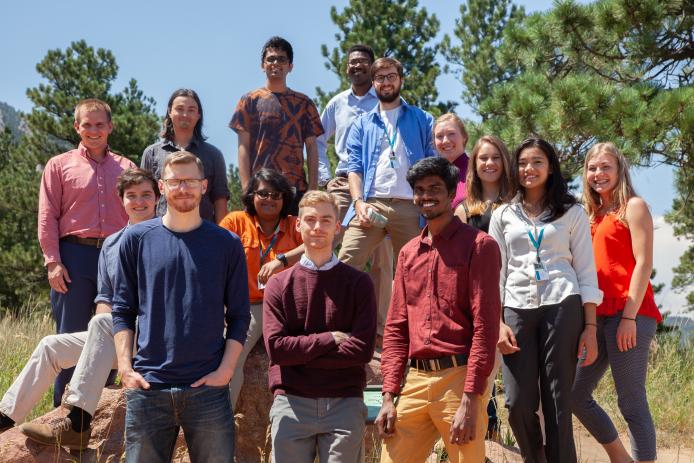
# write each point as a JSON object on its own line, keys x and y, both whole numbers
{"x": 549, "y": 290}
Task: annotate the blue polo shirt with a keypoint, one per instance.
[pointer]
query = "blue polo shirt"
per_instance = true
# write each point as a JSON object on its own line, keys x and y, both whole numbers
{"x": 365, "y": 143}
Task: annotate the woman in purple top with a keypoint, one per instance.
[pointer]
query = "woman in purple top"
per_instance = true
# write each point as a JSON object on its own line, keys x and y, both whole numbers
{"x": 450, "y": 138}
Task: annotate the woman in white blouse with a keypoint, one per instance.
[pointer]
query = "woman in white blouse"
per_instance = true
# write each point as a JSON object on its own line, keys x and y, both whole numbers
{"x": 549, "y": 290}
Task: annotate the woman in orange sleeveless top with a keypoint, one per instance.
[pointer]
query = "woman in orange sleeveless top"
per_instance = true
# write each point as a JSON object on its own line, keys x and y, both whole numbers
{"x": 622, "y": 231}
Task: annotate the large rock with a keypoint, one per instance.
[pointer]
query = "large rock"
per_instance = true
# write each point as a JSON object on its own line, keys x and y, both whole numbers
{"x": 106, "y": 443}
{"x": 253, "y": 443}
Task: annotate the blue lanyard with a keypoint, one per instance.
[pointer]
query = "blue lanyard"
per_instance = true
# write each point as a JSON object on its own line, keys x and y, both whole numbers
{"x": 391, "y": 143}
{"x": 263, "y": 255}
{"x": 537, "y": 242}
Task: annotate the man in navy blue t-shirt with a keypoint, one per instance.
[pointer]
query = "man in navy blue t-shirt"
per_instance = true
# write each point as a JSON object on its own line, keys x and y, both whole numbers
{"x": 180, "y": 280}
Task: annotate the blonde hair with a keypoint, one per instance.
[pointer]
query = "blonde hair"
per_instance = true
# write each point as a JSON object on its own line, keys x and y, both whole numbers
{"x": 474, "y": 202}
{"x": 183, "y": 157}
{"x": 313, "y": 197}
{"x": 92, "y": 104}
{"x": 623, "y": 190}
{"x": 452, "y": 117}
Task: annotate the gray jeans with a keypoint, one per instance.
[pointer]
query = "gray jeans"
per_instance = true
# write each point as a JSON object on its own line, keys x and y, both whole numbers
{"x": 629, "y": 374}
{"x": 548, "y": 341}
{"x": 334, "y": 427}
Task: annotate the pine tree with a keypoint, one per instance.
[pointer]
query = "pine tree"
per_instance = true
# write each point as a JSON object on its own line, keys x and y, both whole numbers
{"x": 396, "y": 28}
{"x": 81, "y": 72}
{"x": 611, "y": 70}
{"x": 76, "y": 73}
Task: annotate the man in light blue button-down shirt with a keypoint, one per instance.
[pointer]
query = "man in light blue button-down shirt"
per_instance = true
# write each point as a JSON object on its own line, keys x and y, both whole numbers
{"x": 337, "y": 118}
{"x": 381, "y": 145}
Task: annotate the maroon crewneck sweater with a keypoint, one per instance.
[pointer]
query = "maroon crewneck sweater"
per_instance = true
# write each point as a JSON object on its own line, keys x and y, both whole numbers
{"x": 300, "y": 309}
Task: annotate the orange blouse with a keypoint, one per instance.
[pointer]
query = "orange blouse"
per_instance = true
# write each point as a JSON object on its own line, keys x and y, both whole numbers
{"x": 248, "y": 229}
{"x": 615, "y": 264}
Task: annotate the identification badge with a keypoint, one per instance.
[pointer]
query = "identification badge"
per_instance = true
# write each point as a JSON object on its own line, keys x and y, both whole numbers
{"x": 541, "y": 273}
{"x": 394, "y": 163}
{"x": 260, "y": 285}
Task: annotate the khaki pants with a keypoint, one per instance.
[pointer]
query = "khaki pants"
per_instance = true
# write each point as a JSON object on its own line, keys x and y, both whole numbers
{"x": 254, "y": 333}
{"x": 91, "y": 352}
{"x": 381, "y": 270}
{"x": 426, "y": 408}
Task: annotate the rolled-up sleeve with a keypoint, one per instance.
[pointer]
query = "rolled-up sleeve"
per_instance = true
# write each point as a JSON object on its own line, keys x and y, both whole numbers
{"x": 583, "y": 260}
{"x": 355, "y": 158}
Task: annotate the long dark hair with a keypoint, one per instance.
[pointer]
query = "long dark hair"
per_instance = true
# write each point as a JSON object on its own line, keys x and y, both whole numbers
{"x": 277, "y": 182}
{"x": 557, "y": 198}
{"x": 167, "y": 132}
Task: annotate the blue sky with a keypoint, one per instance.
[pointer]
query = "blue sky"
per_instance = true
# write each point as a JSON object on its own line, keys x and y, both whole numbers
{"x": 213, "y": 47}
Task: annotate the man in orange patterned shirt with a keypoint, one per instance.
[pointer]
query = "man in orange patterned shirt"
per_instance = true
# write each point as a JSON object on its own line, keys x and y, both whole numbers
{"x": 274, "y": 123}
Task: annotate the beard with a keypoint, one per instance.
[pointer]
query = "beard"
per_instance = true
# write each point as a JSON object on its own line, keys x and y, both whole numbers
{"x": 184, "y": 205}
{"x": 388, "y": 98}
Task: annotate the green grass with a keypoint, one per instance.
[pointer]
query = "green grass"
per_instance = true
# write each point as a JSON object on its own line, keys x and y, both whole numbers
{"x": 670, "y": 389}
{"x": 20, "y": 334}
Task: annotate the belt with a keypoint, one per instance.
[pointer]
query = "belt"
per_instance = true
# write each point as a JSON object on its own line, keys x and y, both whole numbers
{"x": 93, "y": 242}
{"x": 440, "y": 363}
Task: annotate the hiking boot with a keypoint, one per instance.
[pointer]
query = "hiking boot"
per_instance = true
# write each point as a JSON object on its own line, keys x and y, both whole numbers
{"x": 58, "y": 433}
{"x": 5, "y": 422}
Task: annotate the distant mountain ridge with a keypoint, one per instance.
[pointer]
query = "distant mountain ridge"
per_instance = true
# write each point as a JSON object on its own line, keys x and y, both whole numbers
{"x": 10, "y": 117}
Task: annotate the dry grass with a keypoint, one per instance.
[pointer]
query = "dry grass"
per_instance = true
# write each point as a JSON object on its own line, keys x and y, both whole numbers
{"x": 20, "y": 334}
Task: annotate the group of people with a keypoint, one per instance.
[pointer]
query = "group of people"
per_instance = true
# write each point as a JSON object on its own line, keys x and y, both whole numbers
{"x": 495, "y": 264}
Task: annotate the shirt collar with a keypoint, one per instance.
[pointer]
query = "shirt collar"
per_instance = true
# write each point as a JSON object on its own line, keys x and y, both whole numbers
{"x": 446, "y": 234}
{"x": 193, "y": 142}
{"x": 308, "y": 263}
{"x": 370, "y": 93}
{"x": 83, "y": 152}
{"x": 281, "y": 227}
{"x": 376, "y": 111}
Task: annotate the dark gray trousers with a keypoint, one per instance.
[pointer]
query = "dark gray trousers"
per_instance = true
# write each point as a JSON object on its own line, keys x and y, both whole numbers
{"x": 548, "y": 341}
{"x": 629, "y": 374}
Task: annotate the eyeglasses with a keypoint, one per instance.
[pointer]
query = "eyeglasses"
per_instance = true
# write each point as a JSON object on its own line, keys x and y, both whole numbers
{"x": 276, "y": 59}
{"x": 264, "y": 194}
{"x": 178, "y": 182}
{"x": 358, "y": 61}
{"x": 392, "y": 77}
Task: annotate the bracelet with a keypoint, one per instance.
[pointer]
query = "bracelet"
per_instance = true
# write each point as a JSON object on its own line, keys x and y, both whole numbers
{"x": 627, "y": 318}
{"x": 590, "y": 324}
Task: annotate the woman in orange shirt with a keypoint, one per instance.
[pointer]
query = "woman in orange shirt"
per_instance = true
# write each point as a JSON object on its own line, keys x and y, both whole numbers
{"x": 271, "y": 243}
{"x": 622, "y": 231}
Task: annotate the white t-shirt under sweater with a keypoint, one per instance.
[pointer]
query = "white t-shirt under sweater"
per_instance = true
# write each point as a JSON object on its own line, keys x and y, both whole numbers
{"x": 390, "y": 181}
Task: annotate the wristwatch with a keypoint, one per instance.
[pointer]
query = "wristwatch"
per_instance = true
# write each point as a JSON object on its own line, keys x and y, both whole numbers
{"x": 354, "y": 201}
{"x": 282, "y": 258}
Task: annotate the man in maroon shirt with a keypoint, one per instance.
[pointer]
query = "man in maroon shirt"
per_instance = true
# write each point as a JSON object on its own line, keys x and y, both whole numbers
{"x": 319, "y": 324}
{"x": 444, "y": 323}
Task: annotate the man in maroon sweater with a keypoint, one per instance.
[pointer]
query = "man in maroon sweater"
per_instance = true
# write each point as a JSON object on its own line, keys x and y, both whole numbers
{"x": 444, "y": 322}
{"x": 319, "y": 325}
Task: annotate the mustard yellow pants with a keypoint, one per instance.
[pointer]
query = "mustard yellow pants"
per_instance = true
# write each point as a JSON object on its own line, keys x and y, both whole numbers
{"x": 426, "y": 408}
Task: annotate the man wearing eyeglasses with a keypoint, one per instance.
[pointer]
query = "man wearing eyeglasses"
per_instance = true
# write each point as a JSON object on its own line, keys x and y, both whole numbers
{"x": 381, "y": 147}
{"x": 183, "y": 131}
{"x": 274, "y": 123}
{"x": 337, "y": 118}
{"x": 182, "y": 281}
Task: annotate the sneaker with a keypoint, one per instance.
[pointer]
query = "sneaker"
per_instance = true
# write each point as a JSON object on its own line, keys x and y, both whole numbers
{"x": 58, "y": 433}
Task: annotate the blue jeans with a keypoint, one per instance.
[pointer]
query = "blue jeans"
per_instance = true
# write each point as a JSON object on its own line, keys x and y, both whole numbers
{"x": 153, "y": 418}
